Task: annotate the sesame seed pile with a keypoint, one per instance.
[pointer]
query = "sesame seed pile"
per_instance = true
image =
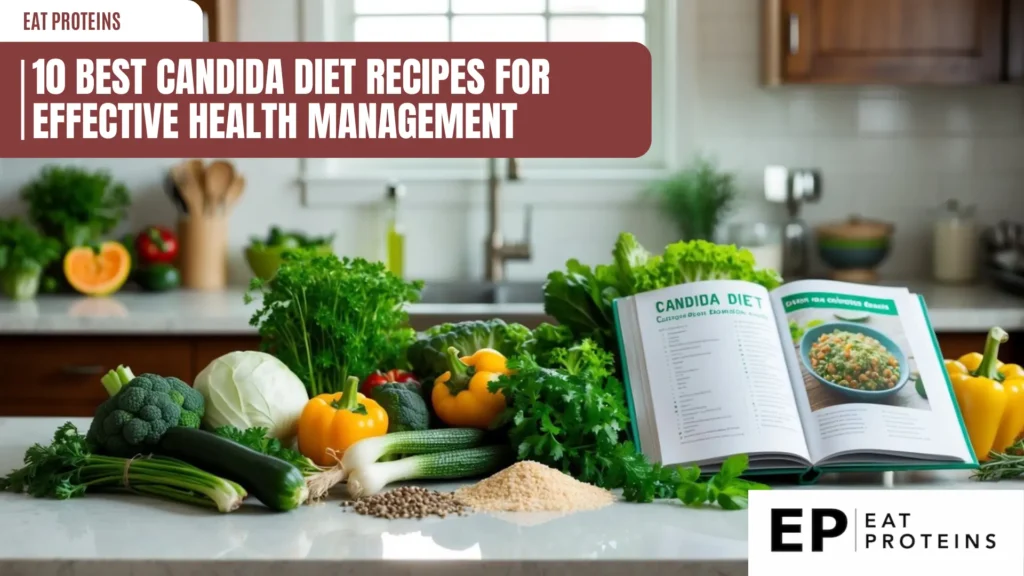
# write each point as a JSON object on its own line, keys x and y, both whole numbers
{"x": 532, "y": 487}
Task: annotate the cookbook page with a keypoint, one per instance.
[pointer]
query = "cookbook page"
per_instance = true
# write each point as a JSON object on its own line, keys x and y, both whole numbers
{"x": 866, "y": 374}
{"x": 717, "y": 377}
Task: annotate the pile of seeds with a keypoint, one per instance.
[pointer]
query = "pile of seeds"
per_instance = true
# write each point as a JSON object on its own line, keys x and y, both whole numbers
{"x": 409, "y": 502}
{"x": 532, "y": 487}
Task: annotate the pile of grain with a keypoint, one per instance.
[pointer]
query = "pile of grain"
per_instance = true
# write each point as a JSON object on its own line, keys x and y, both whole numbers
{"x": 409, "y": 502}
{"x": 533, "y": 487}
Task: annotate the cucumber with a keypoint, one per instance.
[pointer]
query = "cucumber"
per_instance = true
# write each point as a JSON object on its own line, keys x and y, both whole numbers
{"x": 370, "y": 450}
{"x": 274, "y": 482}
{"x": 451, "y": 465}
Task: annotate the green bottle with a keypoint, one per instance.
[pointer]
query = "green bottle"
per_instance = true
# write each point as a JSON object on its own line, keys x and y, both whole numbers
{"x": 395, "y": 241}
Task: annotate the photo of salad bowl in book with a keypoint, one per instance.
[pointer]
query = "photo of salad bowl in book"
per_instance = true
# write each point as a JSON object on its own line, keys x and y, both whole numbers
{"x": 855, "y": 360}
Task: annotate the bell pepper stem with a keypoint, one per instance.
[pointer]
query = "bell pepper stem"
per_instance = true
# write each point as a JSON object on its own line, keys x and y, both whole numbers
{"x": 349, "y": 396}
{"x": 460, "y": 372}
{"x": 158, "y": 240}
{"x": 990, "y": 358}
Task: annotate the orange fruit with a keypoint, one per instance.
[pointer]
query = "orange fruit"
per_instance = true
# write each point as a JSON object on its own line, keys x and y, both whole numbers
{"x": 98, "y": 273}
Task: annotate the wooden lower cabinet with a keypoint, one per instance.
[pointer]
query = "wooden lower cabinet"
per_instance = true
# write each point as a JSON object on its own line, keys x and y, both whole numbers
{"x": 60, "y": 375}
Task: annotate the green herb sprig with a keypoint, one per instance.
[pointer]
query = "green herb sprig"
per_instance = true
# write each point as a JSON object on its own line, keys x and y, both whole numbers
{"x": 1002, "y": 466}
{"x": 256, "y": 438}
{"x": 328, "y": 318}
{"x": 724, "y": 488}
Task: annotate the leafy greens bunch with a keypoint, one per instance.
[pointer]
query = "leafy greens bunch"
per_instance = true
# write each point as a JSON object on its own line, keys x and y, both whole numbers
{"x": 67, "y": 468}
{"x": 571, "y": 415}
{"x": 74, "y": 205}
{"x": 24, "y": 254}
{"x": 580, "y": 297}
{"x": 328, "y": 318}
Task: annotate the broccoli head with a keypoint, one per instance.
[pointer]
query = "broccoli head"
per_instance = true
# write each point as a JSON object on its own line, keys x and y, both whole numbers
{"x": 134, "y": 419}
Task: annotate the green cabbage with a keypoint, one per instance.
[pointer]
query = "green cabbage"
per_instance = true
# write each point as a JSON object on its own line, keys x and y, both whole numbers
{"x": 249, "y": 390}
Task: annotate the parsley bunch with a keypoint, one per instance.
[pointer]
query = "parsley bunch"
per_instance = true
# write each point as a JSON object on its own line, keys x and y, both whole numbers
{"x": 328, "y": 318}
{"x": 571, "y": 415}
{"x": 573, "y": 418}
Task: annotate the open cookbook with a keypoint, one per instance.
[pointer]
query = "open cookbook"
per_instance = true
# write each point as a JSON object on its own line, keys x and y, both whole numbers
{"x": 814, "y": 376}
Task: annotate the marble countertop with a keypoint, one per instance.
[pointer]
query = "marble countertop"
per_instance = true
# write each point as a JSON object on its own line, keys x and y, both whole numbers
{"x": 952, "y": 309}
{"x": 107, "y": 534}
{"x": 182, "y": 312}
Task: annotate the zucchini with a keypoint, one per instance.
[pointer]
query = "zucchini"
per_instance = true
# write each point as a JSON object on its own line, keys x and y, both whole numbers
{"x": 370, "y": 450}
{"x": 451, "y": 465}
{"x": 276, "y": 483}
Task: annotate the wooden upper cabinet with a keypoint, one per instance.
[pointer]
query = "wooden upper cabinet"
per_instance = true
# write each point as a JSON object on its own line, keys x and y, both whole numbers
{"x": 221, "y": 19}
{"x": 885, "y": 41}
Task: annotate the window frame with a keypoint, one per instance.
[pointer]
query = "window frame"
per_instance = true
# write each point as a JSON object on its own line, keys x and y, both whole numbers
{"x": 334, "y": 21}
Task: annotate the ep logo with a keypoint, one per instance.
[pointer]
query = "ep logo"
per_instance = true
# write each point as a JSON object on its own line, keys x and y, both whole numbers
{"x": 824, "y": 523}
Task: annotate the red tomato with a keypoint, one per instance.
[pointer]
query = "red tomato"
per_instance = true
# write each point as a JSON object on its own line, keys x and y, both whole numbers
{"x": 156, "y": 245}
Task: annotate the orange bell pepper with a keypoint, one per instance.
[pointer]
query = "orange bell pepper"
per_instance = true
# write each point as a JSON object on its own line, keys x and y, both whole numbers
{"x": 337, "y": 421}
{"x": 461, "y": 396}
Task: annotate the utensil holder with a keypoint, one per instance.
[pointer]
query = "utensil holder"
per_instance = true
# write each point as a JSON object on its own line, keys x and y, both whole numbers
{"x": 204, "y": 252}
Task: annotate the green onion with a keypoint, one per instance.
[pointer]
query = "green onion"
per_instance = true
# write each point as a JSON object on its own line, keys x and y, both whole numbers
{"x": 371, "y": 479}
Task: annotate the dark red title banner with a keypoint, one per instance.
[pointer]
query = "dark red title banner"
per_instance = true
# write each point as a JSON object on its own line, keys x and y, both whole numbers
{"x": 325, "y": 100}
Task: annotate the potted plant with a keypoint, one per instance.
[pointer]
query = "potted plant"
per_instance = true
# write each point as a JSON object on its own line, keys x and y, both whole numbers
{"x": 75, "y": 206}
{"x": 24, "y": 254}
{"x": 697, "y": 199}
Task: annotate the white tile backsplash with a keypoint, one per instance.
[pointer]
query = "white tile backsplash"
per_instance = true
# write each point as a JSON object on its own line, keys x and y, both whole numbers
{"x": 885, "y": 152}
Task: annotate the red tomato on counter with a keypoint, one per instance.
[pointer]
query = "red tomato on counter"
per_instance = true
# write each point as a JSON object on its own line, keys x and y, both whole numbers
{"x": 156, "y": 245}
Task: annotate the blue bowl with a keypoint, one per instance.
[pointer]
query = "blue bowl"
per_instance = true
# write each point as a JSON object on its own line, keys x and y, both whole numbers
{"x": 853, "y": 257}
{"x": 861, "y": 395}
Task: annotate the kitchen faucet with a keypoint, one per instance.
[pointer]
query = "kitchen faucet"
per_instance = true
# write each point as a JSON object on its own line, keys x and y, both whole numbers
{"x": 497, "y": 250}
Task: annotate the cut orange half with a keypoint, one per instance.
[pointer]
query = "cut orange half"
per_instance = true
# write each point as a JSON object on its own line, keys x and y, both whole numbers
{"x": 98, "y": 273}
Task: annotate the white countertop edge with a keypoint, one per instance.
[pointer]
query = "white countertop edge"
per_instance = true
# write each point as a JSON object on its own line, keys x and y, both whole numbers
{"x": 595, "y": 567}
{"x": 943, "y": 320}
{"x": 186, "y": 313}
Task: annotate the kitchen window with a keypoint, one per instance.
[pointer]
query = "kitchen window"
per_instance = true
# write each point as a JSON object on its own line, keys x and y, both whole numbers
{"x": 651, "y": 22}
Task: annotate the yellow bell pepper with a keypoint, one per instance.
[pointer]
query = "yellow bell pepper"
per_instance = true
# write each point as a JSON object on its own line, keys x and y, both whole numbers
{"x": 1012, "y": 422}
{"x": 461, "y": 396}
{"x": 1009, "y": 371}
{"x": 993, "y": 413}
{"x": 337, "y": 421}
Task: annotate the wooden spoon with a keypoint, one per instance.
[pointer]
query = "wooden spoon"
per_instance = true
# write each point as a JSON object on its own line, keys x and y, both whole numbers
{"x": 219, "y": 176}
{"x": 234, "y": 192}
{"x": 188, "y": 186}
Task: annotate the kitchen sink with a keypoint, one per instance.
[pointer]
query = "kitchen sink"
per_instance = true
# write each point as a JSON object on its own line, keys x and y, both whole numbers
{"x": 482, "y": 293}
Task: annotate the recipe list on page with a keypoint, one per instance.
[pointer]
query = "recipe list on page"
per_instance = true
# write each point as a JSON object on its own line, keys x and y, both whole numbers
{"x": 719, "y": 382}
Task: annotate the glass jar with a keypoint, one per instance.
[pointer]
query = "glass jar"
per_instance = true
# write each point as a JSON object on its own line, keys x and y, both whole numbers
{"x": 762, "y": 239}
{"x": 955, "y": 244}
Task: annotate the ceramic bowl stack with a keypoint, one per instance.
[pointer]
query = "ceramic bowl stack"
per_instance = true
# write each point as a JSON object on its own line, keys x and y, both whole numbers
{"x": 853, "y": 249}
